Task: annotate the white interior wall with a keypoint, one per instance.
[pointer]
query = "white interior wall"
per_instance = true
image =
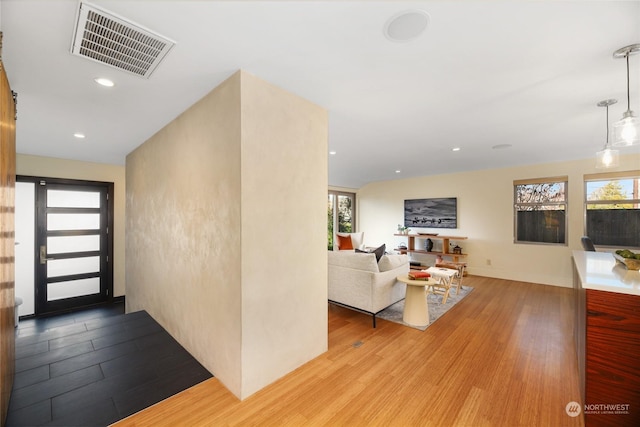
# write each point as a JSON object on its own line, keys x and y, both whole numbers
{"x": 485, "y": 216}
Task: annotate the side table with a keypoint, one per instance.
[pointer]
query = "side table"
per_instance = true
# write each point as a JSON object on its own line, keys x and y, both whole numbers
{"x": 416, "y": 310}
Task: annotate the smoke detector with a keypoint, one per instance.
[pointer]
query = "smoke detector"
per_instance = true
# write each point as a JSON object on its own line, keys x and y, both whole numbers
{"x": 406, "y": 26}
{"x": 107, "y": 38}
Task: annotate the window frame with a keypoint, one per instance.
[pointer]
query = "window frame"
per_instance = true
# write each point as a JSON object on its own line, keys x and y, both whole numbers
{"x": 565, "y": 204}
{"x": 604, "y": 177}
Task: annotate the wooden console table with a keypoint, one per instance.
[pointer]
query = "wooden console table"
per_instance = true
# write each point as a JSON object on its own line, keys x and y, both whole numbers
{"x": 411, "y": 245}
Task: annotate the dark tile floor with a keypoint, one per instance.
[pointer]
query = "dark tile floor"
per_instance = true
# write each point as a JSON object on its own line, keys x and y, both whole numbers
{"x": 94, "y": 367}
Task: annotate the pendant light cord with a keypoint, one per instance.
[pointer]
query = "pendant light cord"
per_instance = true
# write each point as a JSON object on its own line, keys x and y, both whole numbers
{"x": 628, "y": 98}
{"x": 606, "y": 145}
{"x": 606, "y": 103}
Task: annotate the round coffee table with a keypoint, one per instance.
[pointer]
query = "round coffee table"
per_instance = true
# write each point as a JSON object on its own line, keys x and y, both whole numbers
{"x": 416, "y": 310}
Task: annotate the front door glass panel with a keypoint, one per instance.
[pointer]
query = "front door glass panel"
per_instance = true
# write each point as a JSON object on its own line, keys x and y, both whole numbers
{"x": 74, "y": 288}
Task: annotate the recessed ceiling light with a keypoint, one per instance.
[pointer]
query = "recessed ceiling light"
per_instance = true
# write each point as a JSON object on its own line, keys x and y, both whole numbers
{"x": 333, "y": 153}
{"x": 104, "y": 82}
{"x": 406, "y": 26}
{"x": 79, "y": 135}
{"x": 501, "y": 146}
{"x": 398, "y": 171}
{"x": 455, "y": 149}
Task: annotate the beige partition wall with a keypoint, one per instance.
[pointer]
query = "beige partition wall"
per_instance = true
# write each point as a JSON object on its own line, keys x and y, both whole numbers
{"x": 225, "y": 235}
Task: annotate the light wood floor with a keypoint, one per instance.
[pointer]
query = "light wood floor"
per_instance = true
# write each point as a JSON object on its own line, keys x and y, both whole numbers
{"x": 504, "y": 356}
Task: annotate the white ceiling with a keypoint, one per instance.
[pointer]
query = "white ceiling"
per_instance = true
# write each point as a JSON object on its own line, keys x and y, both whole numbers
{"x": 525, "y": 73}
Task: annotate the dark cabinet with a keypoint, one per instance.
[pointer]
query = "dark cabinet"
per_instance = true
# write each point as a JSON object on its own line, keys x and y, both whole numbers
{"x": 608, "y": 346}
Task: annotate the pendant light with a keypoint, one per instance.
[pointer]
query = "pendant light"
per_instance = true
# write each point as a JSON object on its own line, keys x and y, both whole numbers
{"x": 608, "y": 157}
{"x": 626, "y": 131}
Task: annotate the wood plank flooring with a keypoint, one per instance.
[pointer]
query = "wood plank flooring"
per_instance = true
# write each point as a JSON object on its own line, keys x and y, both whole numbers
{"x": 504, "y": 356}
{"x": 94, "y": 367}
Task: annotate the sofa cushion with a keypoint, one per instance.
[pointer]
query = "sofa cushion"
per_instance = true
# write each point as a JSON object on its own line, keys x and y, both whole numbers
{"x": 389, "y": 262}
{"x": 344, "y": 242}
{"x": 356, "y": 261}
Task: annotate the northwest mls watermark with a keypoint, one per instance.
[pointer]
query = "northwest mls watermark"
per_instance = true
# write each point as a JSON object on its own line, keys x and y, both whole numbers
{"x": 574, "y": 409}
{"x": 607, "y": 408}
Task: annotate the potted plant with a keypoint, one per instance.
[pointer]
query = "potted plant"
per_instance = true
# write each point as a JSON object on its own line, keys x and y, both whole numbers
{"x": 402, "y": 229}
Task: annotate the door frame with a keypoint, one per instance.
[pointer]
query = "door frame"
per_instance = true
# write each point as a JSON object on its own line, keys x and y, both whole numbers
{"x": 108, "y": 274}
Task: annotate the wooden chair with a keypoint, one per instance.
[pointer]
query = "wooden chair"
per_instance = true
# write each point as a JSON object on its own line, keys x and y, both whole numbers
{"x": 457, "y": 280}
{"x": 444, "y": 278}
{"x": 587, "y": 244}
{"x": 440, "y": 287}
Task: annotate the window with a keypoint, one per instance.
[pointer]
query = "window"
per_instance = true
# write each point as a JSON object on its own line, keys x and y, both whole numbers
{"x": 612, "y": 208}
{"x": 540, "y": 210}
{"x": 341, "y": 214}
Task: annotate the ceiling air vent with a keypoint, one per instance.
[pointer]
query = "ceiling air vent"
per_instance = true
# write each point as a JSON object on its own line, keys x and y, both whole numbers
{"x": 112, "y": 40}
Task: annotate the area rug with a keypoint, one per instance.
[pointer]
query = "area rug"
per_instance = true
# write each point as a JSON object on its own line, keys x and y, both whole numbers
{"x": 436, "y": 308}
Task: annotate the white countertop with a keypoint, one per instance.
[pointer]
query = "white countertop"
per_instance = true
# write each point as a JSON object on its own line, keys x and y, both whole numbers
{"x": 600, "y": 271}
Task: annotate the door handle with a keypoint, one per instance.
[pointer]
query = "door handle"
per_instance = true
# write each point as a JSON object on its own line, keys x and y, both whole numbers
{"x": 43, "y": 255}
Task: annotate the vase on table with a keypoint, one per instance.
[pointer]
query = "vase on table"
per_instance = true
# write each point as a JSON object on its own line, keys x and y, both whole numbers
{"x": 428, "y": 245}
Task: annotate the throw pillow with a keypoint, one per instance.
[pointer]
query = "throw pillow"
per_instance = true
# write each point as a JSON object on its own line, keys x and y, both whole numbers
{"x": 344, "y": 243}
{"x": 357, "y": 239}
{"x": 380, "y": 251}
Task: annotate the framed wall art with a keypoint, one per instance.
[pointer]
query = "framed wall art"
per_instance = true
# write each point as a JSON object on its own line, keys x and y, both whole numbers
{"x": 431, "y": 213}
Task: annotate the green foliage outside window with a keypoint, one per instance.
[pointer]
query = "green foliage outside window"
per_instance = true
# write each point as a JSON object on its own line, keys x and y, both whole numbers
{"x": 344, "y": 214}
{"x": 612, "y": 216}
{"x": 340, "y": 205}
{"x": 330, "y": 225}
{"x": 612, "y": 190}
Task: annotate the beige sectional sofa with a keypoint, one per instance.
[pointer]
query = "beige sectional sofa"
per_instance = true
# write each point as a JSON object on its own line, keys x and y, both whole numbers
{"x": 357, "y": 281}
